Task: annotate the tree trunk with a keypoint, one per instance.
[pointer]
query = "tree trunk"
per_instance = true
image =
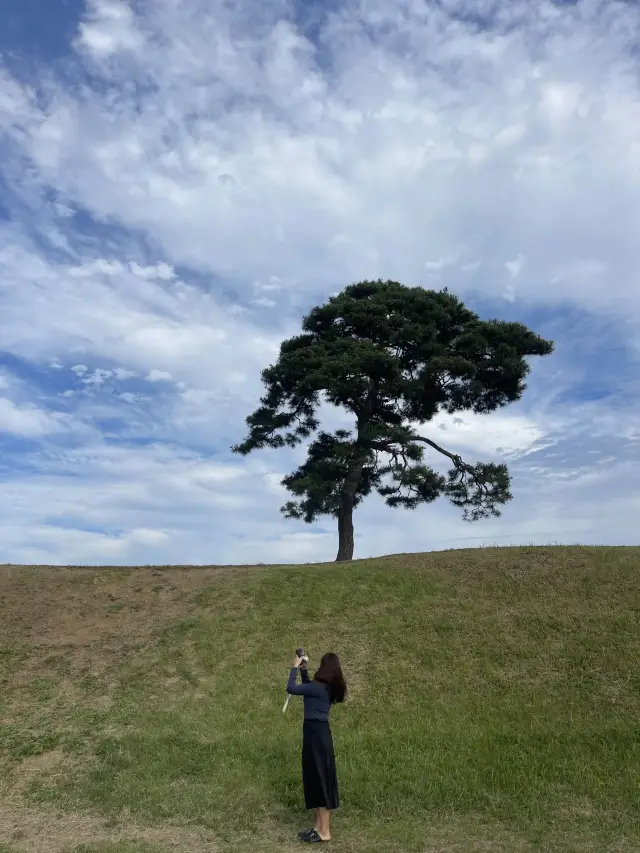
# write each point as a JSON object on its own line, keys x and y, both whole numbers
{"x": 353, "y": 478}
{"x": 345, "y": 513}
{"x": 345, "y": 530}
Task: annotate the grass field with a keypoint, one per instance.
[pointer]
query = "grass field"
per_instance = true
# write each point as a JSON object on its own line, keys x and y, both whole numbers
{"x": 494, "y": 704}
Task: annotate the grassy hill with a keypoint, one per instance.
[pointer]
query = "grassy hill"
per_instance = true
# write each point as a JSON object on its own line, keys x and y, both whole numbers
{"x": 494, "y": 704}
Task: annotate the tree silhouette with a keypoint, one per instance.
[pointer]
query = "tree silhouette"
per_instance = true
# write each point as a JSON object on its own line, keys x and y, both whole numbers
{"x": 394, "y": 357}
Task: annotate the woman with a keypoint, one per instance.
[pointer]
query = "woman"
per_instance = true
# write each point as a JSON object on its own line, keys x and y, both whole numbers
{"x": 319, "y": 778}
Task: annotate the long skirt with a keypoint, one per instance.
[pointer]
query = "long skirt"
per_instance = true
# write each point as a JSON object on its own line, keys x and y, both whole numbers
{"x": 319, "y": 777}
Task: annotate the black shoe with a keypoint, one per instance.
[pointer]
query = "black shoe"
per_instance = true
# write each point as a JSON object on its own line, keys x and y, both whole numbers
{"x": 305, "y": 832}
{"x": 313, "y": 838}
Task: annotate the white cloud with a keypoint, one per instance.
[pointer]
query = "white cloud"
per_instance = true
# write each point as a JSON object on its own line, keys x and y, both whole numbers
{"x": 27, "y": 421}
{"x": 515, "y": 267}
{"x": 560, "y": 101}
{"x": 123, "y": 373}
{"x": 380, "y": 124}
{"x": 158, "y": 376}
{"x": 110, "y": 28}
{"x": 162, "y": 272}
{"x": 199, "y": 511}
{"x": 233, "y": 173}
{"x": 129, "y": 397}
{"x": 498, "y": 435}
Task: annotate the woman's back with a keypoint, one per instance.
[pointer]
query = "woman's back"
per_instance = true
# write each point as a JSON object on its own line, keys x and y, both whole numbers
{"x": 317, "y": 702}
{"x": 319, "y": 777}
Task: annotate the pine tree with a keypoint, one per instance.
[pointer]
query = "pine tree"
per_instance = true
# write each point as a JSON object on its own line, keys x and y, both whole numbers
{"x": 393, "y": 357}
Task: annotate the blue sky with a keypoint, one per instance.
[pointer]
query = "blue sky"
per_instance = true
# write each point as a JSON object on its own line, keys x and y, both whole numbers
{"x": 181, "y": 181}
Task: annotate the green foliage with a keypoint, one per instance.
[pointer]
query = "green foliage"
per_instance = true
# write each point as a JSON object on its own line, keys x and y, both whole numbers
{"x": 394, "y": 357}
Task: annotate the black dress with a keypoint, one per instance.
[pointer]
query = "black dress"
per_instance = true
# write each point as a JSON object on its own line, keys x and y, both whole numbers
{"x": 319, "y": 776}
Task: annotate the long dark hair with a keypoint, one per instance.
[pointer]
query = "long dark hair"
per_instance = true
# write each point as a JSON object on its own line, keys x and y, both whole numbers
{"x": 330, "y": 674}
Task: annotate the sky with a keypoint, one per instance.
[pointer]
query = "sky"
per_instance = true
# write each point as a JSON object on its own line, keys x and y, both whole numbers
{"x": 182, "y": 180}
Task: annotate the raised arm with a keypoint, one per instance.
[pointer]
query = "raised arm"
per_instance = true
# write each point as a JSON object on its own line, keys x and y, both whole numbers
{"x": 304, "y": 674}
{"x": 307, "y": 688}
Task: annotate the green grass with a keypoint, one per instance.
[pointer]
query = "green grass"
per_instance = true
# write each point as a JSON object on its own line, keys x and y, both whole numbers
{"x": 124, "y": 847}
{"x": 494, "y": 701}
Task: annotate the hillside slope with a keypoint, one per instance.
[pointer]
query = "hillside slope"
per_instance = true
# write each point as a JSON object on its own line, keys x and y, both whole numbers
{"x": 494, "y": 704}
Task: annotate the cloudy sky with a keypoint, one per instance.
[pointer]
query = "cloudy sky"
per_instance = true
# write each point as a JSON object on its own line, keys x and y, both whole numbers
{"x": 180, "y": 180}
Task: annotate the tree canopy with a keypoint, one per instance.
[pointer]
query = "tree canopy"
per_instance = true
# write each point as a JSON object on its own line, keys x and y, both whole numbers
{"x": 394, "y": 357}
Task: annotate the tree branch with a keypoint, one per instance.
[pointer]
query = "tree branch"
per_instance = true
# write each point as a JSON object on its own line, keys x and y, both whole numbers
{"x": 460, "y": 465}
{"x": 457, "y": 460}
{"x": 388, "y": 447}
